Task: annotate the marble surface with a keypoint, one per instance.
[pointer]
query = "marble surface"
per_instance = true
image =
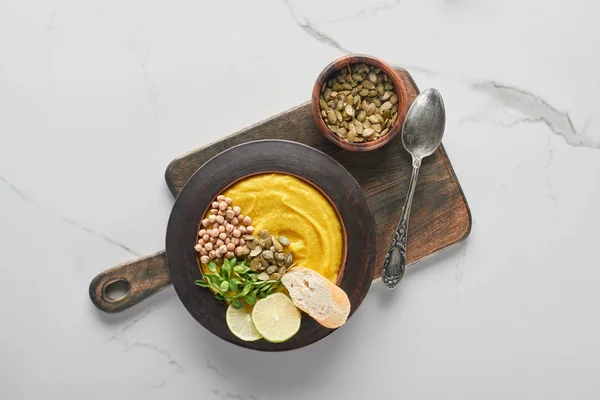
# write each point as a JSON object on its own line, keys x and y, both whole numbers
{"x": 97, "y": 97}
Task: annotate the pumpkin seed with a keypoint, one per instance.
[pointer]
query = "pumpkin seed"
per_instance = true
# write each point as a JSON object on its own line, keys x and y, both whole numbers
{"x": 270, "y": 270}
{"x": 275, "y": 277}
{"x": 289, "y": 259}
{"x": 331, "y": 117}
{"x": 367, "y": 132}
{"x": 284, "y": 241}
{"x": 349, "y": 110}
{"x": 370, "y": 109}
{"x": 263, "y": 276}
{"x": 256, "y": 251}
{"x": 361, "y": 115}
{"x": 322, "y": 103}
{"x": 386, "y": 106}
{"x": 359, "y": 127}
{"x": 255, "y": 264}
{"x": 339, "y": 115}
{"x": 267, "y": 255}
{"x": 356, "y": 98}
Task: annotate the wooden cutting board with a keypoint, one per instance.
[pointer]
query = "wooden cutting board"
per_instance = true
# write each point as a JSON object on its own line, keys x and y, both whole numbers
{"x": 440, "y": 215}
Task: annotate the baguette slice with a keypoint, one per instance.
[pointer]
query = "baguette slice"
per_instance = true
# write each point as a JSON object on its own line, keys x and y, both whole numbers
{"x": 317, "y": 296}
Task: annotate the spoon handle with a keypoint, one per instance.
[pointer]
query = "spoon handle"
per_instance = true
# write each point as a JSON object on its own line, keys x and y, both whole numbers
{"x": 395, "y": 258}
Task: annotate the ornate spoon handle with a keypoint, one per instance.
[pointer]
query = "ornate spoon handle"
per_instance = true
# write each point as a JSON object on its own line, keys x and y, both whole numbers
{"x": 395, "y": 258}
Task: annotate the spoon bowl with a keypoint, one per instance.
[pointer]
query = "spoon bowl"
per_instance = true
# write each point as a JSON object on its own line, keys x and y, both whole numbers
{"x": 424, "y": 126}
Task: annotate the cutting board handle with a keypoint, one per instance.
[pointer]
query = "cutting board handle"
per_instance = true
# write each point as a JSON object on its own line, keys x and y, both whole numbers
{"x": 144, "y": 277}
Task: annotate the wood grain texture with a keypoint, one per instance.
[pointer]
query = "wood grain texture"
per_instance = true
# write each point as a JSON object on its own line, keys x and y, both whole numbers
{"x": 343, "y": 192}
{"x": 440, "y": 215}
{"x": 145, "y": 276}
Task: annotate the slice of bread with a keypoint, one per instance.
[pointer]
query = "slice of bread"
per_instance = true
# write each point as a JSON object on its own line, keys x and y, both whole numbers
{"x": 317, "y": 296}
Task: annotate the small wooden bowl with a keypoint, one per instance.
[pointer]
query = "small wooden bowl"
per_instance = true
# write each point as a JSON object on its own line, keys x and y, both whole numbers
{"x": 343, "y": 62}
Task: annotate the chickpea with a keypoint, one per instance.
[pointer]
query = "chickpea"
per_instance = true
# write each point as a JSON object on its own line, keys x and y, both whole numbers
{"x": 229, "y": 228}
{"x": 214, "y": 233}
{"x": 204, "y": 259}
{"x": 212, "y": 254}
{"x": 197, "y": 247}
{"x": 249, "y": 229}
{"x": 231, "y": 247}
{"x": 208, "y": 246}
{"x": 201, "y": 242}
{"x": 220, "y": 219}
{"x": 220, "y": 198}
{"x": 222, "y": 206}
{"x": 222, "y": 236}
{"x": 235, "y": 241}
{"x": 237, "y": 210}
{"x": 202, "y": 232}
{"x": 247, "y": 220}
{"x": 221, "y": 229}
{"x": 215, "y": 204}
{"x": 213, "y": 211}
{"x": 223, "y": 249}
{"x": 205, "y": 222}
{"x": 229, "y": 254}
{"x": 228, "y": 201}
{"x": 238, "y": 251}
{"x": 236, "y": 233}
{"x": 242, "y": 242}
{"x": 206, "y": 238}
{"x": 219, "y": 243}
{"x": 234, "y": 221}
{"x": 242, "y": 229}
{"x": 203, "y": 252}
{"x": 212, "y": 219}
{"x": 229, "y": 214}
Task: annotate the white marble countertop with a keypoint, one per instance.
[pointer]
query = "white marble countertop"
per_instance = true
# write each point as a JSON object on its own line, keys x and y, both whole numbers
{"x": 97, "y": 97}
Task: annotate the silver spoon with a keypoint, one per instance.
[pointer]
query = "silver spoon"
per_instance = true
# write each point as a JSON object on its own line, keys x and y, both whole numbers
{"x": 421, "y": 135}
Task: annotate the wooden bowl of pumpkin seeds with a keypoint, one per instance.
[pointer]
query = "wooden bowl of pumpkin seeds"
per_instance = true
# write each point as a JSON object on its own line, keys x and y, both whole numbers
{"x": 359, "y": 102}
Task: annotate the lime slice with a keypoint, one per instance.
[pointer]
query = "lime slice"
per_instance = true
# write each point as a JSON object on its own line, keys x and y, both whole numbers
{"x": 240, "y": 324}
{"x": 276, "y": 318}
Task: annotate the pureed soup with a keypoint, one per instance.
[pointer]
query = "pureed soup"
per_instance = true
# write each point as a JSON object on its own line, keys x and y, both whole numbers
{"x": 288, "y": 206}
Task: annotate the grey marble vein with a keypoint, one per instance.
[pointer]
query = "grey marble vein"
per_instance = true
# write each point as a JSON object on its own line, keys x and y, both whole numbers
{"x": 104, "y": 237}
{"x": 152, "y": 93}
{"x": 229, "y": 395}
{"x": 368, "y": 11}
{"x": 152, "y": 347}
{"x": 215, "y": 369}
{"x": 536, "y": 110}
{"x": 13, "y": 188}
{"x": 129, "y": 325}
{"x": 26, "y": 198}
{"x": 458, "y": 269}
{"x": 312, "y": 31}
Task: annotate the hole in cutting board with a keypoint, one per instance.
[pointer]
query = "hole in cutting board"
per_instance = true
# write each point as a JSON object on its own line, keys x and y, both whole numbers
{"x": 117, "y": 290}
